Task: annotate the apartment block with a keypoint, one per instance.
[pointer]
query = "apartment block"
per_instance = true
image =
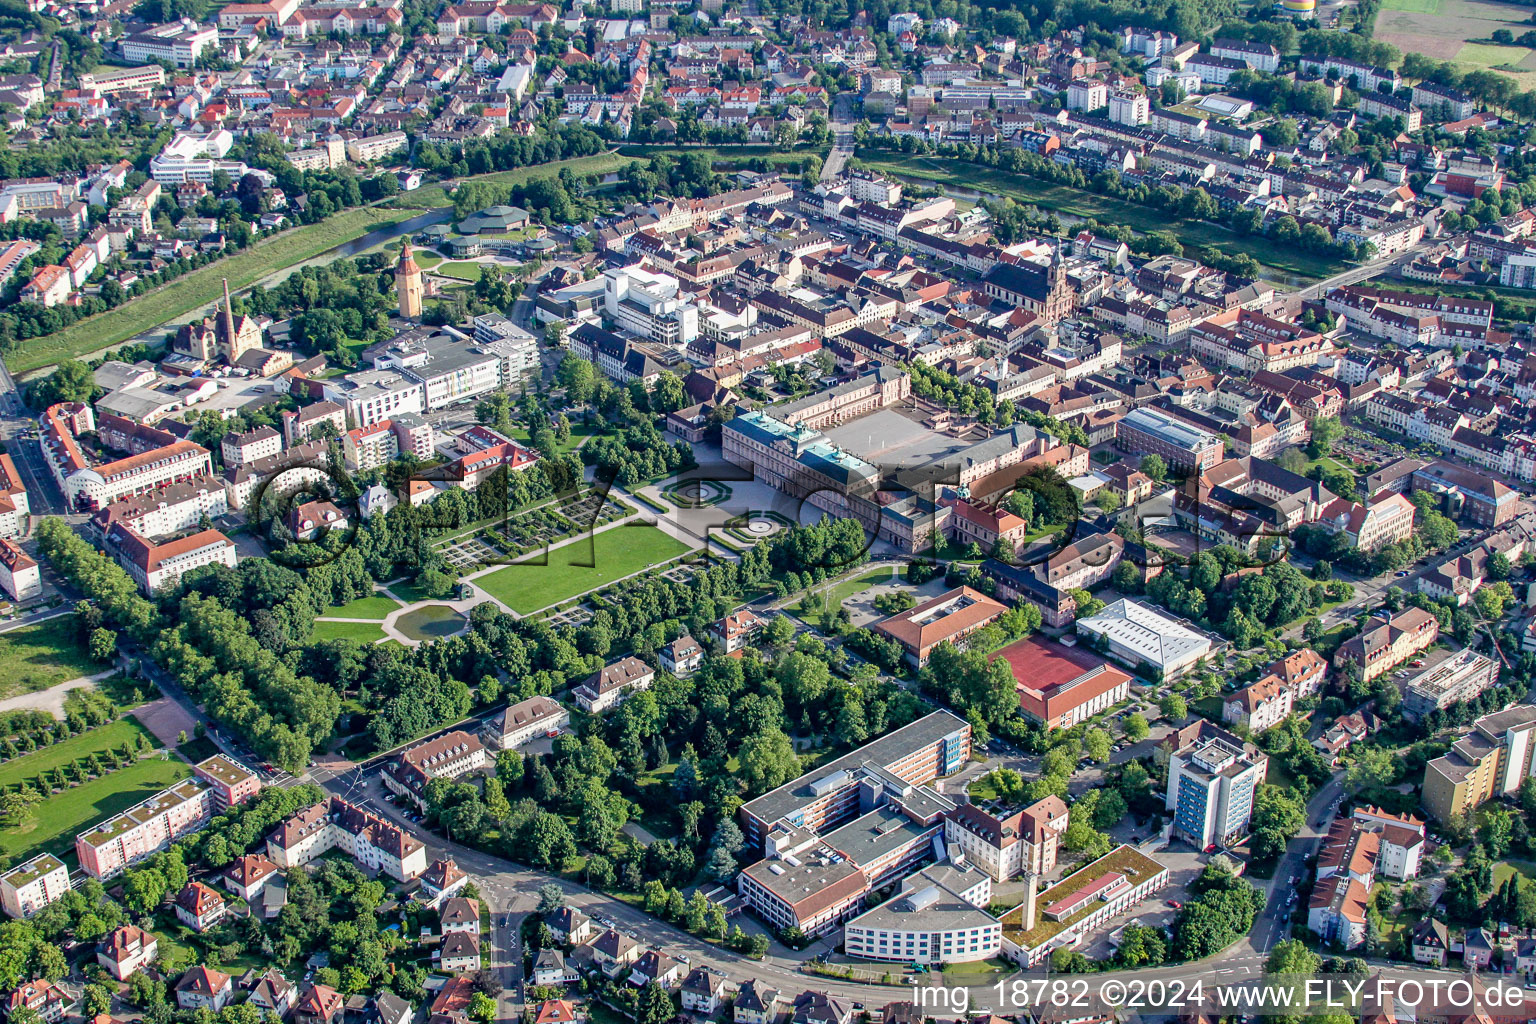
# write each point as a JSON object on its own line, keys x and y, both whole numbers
{"x": 1212, "y": 776}
{"x": 31, "y": 886}
{"x": 374, "y": 843}
{"x": 232, "y": 783}
{"x": 1491, "y": 760}
{"x": 145, "y": 829}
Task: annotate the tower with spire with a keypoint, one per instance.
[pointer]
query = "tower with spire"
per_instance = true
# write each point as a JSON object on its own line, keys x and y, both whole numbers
{"x": 234, "y": 335}
{"x": 408, "y": 286}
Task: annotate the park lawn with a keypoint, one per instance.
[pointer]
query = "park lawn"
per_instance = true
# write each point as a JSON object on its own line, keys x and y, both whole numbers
{"x": 36, "y": 657}
{"x": 362, "y": 632}
{"x": 579, "y": 433}
{"x": 462, "y": 270}
{"x": 57, "y": 820}
{"x": 622, "y": 551}
{"x": 55, "y": 755}
{"x": 374, "y": 606}
{"x": 433, "y": 196}
{"x": 1412, "y": 6}
{"x": 202, "y": 286}
{"x": 1078, "y": 203}
{"x": 846, "y": 589}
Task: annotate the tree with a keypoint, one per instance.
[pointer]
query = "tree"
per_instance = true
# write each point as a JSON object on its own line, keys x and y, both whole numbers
{"x": 1096, "y": 744}
{"x": 1136, "y": 728}
{"x": 1370, "y": 767}
{"x": 1325, "y": 431}
{"x": 1277, "y": 819}
{"x": 1154, "y": 466}
{"x": 482, "y": 1008}
{"x": 551, "y": 897}
{"x": 1174, "y": 706}
{"x": 768, "y": 760}
{"x": 103, "y": 644}
{"x": 653, "y": 1005}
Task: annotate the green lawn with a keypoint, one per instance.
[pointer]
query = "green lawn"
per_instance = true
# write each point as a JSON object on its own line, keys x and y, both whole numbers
{"x": 579, "y": 433}
{"x": 1526, "y": 869}
{"x": 1025, "y": 189}
{"x": 615, "y": 553}
{"x": 374, "y": 606}
{"x": 846, "y": 589}
{"x": 1490, "y": 55}
{"x": 362, "y": 632}
{"x": 430, "y": 196}
{"x": 1412, "y": 6}
{"x": 113, "y": 734}
{"x": 198, "y": 288}
{"x": 36, "y": 657}
{"x": 463, "y": 270}
{"x": 56, "y": 821}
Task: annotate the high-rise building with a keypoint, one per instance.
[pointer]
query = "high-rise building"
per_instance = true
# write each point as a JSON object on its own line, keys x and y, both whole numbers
{"x": 1491, "y": 760}
{"x": 408, "y": 284}
{"x": 1212, "y": 775}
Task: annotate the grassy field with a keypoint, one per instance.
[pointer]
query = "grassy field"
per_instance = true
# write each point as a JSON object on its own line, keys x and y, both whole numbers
{"x": 109, "y": 736}
{"x": 1412, "y": 6}
{"x": 1024, "y": 189}
{"x": 374, "y": 606}
{"x": 613, "y": 553}
{"x": 846, "y": 589}
{"x": 36, "y": 657}
{"x": 1490, "y": 55}
{"x": 198, "y": 288}
{"x": 431, "y": 196}
{"x": 56, "y": 821}
{"x": 362, "y": 632}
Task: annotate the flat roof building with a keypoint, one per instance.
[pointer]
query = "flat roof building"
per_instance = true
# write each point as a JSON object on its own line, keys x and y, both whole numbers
{"x": 1142, "y": 637}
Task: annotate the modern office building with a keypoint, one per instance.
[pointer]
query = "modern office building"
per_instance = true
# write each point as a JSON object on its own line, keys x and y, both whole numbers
{"x": 1147, "y": 431}
{"x": 650, "y": 305}
{"x": 930, "y": 748}
{"x": 1491, "y": 760}
{"x": 1212, "y": 775}
{"x": 1062, "y": 915}
{"x": 1459, "y": 677}
{"x": 938, "y": 917}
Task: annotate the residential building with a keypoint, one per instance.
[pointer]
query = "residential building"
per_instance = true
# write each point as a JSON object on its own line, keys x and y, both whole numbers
{"x": 43, "y": 997}
{"x": 1259, "y": 706}
{"x": 1386, "y": 641}
{"x": 246, "y": 876}
{"x": 144, "y": 829}
{"x": 1212, "y": 776}
{"x": 737, "y": 630}
{"x": 230, "y": 781}
{"x": 200, "y": 907}
{"x": 447, "y": 757}
{"x": 373, "y": 842}
{"x": 157, "y": 564}
{"x": 705, "y": 991}
{"x": 1431, "y": 942}
{"x": 1491, "y": 760}
{"x": 20, "y": 575}
{"x": 612, "y": 683}
{"x": 127, "y": 951}
{"x": 33, "y": 884}
{"x": 524, "y": 721}
{"x": 682, "y": 657}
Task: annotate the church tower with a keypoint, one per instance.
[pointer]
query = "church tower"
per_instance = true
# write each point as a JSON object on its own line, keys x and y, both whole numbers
{"x": 408, "y": 284}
